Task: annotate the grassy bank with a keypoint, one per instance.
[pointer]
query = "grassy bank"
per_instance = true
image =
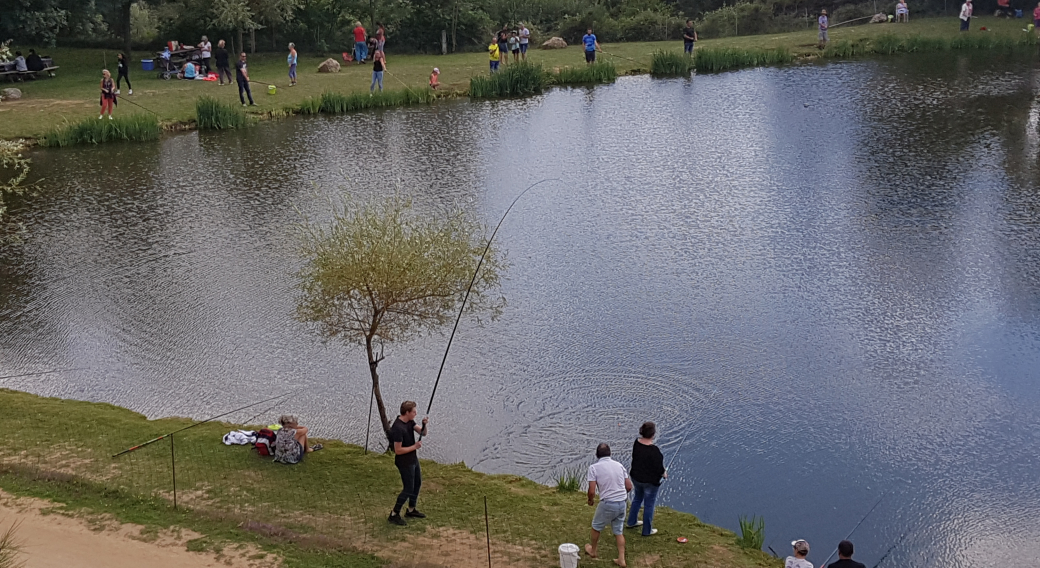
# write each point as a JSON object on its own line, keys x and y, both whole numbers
{"x": 329, "y": 510}
{"x": 125, "y": 128}
{"x": 73, "y": 95}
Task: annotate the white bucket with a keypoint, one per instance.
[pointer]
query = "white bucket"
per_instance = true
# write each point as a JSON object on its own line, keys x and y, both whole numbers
{"x": 568, "y": 555}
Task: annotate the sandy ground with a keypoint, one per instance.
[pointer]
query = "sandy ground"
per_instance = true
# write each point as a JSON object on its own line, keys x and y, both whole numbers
{"x": 58, "y": 541}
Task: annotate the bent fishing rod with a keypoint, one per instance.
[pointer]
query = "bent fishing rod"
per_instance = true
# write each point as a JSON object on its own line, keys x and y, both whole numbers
{"x": 847, "y": 537}
{"x": 164, "y": 436}
{"x": 470, "y": 288}
{"x": 681, "y": 442}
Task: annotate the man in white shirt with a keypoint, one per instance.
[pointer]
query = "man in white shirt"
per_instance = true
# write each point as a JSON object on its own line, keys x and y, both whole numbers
{"x": 801, "y": 550}
{"x": 611, "y": 478}
{"x": 966, "y": 11}
{"x": 525, "y": 39}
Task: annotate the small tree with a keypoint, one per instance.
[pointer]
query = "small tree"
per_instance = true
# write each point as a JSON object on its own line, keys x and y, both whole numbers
{"x": 381, "y": 273}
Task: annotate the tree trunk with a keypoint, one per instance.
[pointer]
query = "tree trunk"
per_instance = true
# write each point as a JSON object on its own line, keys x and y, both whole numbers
{"x": 126, "y": 32}
{"x": 241, "y": 44}
{"x": 373, "y": 364}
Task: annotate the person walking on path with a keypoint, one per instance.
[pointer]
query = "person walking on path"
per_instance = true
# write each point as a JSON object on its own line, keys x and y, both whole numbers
{"x": 689, "y": 36}
{"x": 123, "y": 72}
{"x": 402, "y": 436}
{"x": 822, "y": 21}
{"x": 801, "y": 550}
{"x": 966, "y": 10}
{"x": 494, "y": 55}
{"x": 223, "y": 66}
{"x": 378, "y": 67}
{"x": 207, "y": 52}
{"x": 591, "y": 47}
{"x": 242, "y": 77}
{"x": 613, "y": 483}
{"x": 292, "y": 59}
{"x": 360, "y": 43}
{"x": 647, "y": 471}
{"x": 525, "y": 40}
{"x": 845, "y": 560}
{"x": 108, "y": 94}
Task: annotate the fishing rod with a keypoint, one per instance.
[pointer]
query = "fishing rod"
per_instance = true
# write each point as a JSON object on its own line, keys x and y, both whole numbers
{"x": 164, "y": 436}
{"x": 41, "y": 373}
{"x": 621, "y": 56}
{"x": 470, "y": 288}
{"x": 889, "y": 551}
{"x": 847, "y": 537}
{"x": 139, "y": 106}
{"x": 848, "y": 21}
{"x": 399, "y": 80}
{"x": 689, "y": 430}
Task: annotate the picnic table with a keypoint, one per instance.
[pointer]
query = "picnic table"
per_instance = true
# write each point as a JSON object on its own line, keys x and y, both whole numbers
{"x": 178, "y": 58}
{"x": 8, "y": 71}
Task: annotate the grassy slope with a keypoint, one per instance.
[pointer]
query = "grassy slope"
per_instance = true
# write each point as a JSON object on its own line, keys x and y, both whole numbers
{"x": 73, "y": 94}
{"x": 332, "y": 507}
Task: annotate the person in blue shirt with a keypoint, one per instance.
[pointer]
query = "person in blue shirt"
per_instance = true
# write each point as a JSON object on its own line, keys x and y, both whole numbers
{"x": 591, "y": 47}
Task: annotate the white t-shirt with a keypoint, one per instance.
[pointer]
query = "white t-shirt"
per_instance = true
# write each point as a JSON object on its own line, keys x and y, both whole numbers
{"x": 525, "y": 34}
{"x": 610, "y": 477}
{"x": 793, "y": 562}
{"x": 207, "y": 49}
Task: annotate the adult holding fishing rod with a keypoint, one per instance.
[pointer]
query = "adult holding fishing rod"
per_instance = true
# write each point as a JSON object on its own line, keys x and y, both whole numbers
{"x": 844, "y": 549}
{"x": 242, "y": 78}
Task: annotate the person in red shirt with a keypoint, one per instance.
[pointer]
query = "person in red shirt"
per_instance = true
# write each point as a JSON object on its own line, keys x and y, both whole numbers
{"x": 1036, "y": 17}
{"x": 360, "y": 47}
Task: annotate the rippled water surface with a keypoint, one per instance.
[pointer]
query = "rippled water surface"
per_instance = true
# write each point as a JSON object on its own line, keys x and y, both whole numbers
{"x": 848, "y": 254}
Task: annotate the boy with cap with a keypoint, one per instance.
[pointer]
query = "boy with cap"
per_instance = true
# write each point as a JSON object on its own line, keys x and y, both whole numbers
{"x": 845, "y": 560}
{"x": 614, "y": 484}
{"x": 801, "y": 550}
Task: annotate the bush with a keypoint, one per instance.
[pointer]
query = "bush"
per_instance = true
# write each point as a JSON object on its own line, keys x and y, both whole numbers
{"x": 211, "y": 114}
{"x": 649, "y": 26}
{"x": 746, "y": 19}
{"x": 135, "y": 127}
{"x": 848, "y": 12}
{"x": 670, "y": 64}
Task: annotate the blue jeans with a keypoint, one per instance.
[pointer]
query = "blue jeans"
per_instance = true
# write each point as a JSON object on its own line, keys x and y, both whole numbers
{"x": 377, "y": 77}
{"x": 360, "y": 51}
{"x": 688, "y": 47}
{"x": 645, "y": 494}
{"x": 411, "y": 479}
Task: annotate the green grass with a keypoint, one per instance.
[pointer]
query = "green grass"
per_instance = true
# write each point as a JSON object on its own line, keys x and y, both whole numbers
{"x": 211, "y": 114}
{"x": 123, "y": 128}
{"x": 599, "y": 72}
{"x": 668, "y": 63}
{"x": 752, "y": 532}
{"x": 330, "y": 510}
{"x": 337, "y": 103}
{"x": 711, "y": 60}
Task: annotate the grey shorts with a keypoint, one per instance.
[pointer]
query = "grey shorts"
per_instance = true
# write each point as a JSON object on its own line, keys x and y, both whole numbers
{"x": 823, "y": 35}
{"x": 610, "y": 513}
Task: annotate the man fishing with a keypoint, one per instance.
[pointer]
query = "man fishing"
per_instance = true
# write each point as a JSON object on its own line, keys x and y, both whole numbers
{"x": 613, "y": 483}
{"x": 242, "y": 77}
{"x": 402, "y": 436}
{"x": 845, "y": 560}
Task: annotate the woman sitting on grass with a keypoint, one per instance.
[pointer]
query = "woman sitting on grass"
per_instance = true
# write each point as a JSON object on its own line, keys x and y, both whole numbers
{"x": 188, "y": 71}
{"x": 290, "y": 443}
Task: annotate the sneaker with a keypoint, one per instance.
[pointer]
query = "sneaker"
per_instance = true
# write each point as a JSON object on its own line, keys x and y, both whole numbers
{"x": 395, "y": 519}
{"x": 317, "y": 447}
{"x": 131, "y": 91}
{"x": 117, "y": 91}
{"x": 253, "y": 105}
{"x": 414, "y": 513}
{"x": 244, "y": 104}
{"x": 100, "y": 116}
{"x": 110, "y": 117}
{"x": 652, "y": 532}
{"x": 638, "y": 524}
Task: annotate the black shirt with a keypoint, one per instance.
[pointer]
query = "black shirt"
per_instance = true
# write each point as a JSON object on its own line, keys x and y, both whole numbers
{"x": 240, "y": 71}
{"x": 404, "y": 432}
{"x": 34, "y": 63}
{"x": 846, "y": 563}
{"x": 688, "y": 33}
{"x": 647, "y": 464}
{"x": 122, "y": 66}
{"x": 377, "y": 65}
{"x": 222, "y": 57}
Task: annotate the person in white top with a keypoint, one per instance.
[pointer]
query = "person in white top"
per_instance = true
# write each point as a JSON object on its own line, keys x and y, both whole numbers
{"x": 525, "y": 39}
{"x": 801, "y": 550}
{"x": 966, "y": 10}
{"x": 207, "y": 50}
{"x": 611, "y": 479}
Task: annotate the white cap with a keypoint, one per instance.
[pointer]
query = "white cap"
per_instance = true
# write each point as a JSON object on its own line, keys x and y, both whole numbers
{"x": 435, "y": 70}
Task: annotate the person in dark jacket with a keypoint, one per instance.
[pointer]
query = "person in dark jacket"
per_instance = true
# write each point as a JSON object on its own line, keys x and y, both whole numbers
{"x": 35, "y": 62}
{"x": 223, "y": 67}
{"x": 647, "y": 472}
{"x": 123, "y": 68}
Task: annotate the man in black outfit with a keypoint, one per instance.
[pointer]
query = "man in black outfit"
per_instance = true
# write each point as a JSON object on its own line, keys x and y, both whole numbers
{"x": 402, "y": 436}
{"x": 242, "y": 76}
{"x": 845, "y": 557}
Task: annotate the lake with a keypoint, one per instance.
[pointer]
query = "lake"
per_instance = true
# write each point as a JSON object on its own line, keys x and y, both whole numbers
{"x": 828, "y": 276}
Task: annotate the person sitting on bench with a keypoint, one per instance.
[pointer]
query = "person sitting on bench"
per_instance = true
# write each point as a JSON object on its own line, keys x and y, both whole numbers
{"x": 34, "y": 62}
{"x": 19, "y": 62}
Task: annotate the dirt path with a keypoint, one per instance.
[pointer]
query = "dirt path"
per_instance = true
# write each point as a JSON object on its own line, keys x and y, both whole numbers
{"x": 57, "y": 541}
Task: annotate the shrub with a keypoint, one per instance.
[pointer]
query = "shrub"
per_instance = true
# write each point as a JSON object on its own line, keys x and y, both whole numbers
{"x": 135, "y": 127}
{"x": 211, "y": 114}
{"x": 670, "y": 64}
{"x": 752, "y": 532}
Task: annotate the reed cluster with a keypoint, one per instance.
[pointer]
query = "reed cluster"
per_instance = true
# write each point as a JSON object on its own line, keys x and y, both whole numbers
{"x": 130, "y": 128}
{"x": 752, "y": 532}
{"x": 514, "y": 80}
{"x": 888, "y": 44}
{"x": 670, "y": 64}
{"x": 569, "y": 481}
{"x": 713, "y": 60}
{"x": 337, "y": 103}
{"x": 211, "y": 114}
{"x": 600, "y": 72}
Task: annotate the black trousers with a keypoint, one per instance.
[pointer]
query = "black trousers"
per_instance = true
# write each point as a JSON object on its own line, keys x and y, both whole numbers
{"x": 123, "y": 75}
{"x": 411, "y": 479}
{"x": 243, "y": 87}
{"x": 221, "y": 71}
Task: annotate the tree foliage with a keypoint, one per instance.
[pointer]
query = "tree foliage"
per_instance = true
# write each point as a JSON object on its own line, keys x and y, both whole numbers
{"x": 382, "y": 273}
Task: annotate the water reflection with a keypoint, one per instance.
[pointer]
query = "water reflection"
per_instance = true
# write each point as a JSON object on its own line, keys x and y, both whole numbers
{"x": 848, "y": 253}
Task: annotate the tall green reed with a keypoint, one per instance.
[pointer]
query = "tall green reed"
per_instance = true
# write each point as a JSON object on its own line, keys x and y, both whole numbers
{"x": 211, "y": 114}
{"x": 752, "y": 532}
{"x": 670, "y": 64}
{"x": 132, "y": 128}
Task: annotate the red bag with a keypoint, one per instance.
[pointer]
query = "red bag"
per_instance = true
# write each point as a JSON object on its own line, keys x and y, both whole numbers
{"x": 264, "y": 443}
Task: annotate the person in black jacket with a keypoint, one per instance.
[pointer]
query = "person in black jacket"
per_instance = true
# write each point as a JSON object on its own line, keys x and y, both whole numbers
{"x": 647, "y": 472}
{"x": 123, "y": 67}
{"x": 223, "y": 67}
{"x": 34, "y": 62}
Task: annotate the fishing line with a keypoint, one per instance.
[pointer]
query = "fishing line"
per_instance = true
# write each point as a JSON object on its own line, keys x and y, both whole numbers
{"x": 621, "y": 56}
{"x": 137, "y": 105}
{"x": 164, "y": 436}
{"x": 893, "y": 547}
{"x": 690, "y": 430}
{"x": 856, "y": 527}
{"x": 470, "y": 288}
{"x": 42, "y": 373}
